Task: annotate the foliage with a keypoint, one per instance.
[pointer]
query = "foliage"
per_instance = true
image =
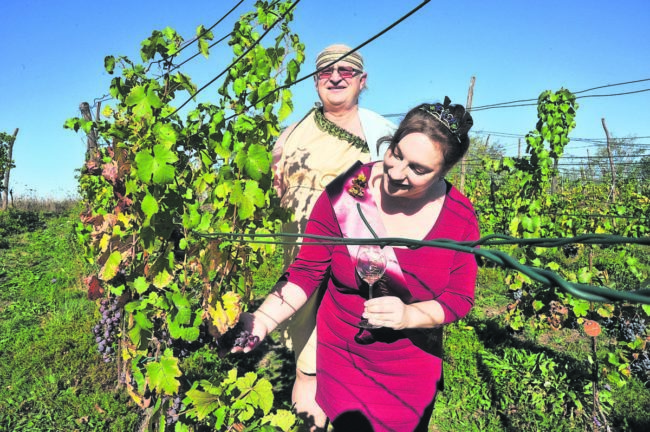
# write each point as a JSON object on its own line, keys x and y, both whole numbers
{"x": 539, "y": 383}
{"x": 13, "y": 222}
{"x": 6, "y": 141}
{"x": 525, "y": 197}
{"x": 161, "y": 177}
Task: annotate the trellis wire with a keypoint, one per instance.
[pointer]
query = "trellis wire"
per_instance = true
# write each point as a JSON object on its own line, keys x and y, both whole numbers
{"x": 547, "y": 277}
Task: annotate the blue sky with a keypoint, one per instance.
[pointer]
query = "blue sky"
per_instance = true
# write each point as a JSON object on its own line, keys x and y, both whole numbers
{"x": 52, "y": 60}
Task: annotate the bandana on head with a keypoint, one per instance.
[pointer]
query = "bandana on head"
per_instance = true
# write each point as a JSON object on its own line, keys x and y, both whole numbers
{"x": 334, "y": 52}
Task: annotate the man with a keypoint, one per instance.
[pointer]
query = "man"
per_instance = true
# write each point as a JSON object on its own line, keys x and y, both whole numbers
{"x": 307, "y": 156}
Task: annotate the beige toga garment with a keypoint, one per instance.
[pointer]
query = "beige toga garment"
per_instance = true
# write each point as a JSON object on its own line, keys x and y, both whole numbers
{"x": 315, "y": 152}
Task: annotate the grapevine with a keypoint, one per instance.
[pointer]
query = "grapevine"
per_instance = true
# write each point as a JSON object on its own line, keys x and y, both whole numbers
{"x": 156, "y": 176}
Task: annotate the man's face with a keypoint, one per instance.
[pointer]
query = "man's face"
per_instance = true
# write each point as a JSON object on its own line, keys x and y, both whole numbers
{"x": 337, "y": 92}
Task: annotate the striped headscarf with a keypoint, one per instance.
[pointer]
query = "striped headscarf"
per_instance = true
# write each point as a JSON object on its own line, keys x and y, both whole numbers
{"x": 333, "y": 52}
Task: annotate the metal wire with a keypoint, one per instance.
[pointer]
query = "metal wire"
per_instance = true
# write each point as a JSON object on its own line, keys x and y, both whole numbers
{"x": 547, "y": 277}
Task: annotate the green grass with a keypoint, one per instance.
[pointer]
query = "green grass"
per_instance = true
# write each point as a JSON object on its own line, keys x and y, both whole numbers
{"x": 51, "y": 377}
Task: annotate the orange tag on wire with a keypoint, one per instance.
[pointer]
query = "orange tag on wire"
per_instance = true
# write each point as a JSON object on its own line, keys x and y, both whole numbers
{"x": 592, "y": 328}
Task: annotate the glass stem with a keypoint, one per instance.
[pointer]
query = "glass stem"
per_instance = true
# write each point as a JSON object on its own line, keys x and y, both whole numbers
{"x": 370, "y": 290}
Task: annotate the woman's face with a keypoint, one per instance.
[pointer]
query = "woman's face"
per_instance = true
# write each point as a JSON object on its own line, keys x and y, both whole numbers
{"x": 412, "y": 167}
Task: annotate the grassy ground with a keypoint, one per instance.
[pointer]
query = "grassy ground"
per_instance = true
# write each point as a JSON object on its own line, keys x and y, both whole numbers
{"x": 52, "y": 379}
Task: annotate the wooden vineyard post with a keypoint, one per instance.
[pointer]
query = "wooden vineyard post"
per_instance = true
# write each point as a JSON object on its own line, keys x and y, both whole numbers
{"x": 91, "y": 149}
{"x": 468, "y": 107}
{"x": 612, "y": 193}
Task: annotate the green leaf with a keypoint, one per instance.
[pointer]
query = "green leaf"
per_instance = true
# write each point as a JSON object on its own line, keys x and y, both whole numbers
{"x": 204, "y": 47}
{"x": 258, "y": 161}
{"x": 553, "y": 266}
{"x": 580, "y": 307}
{"x": 143, "y": 100}
{"x": 204, "y": 403}
{"x": 165, "y": 134}
{"x": 162, "y": 279}
{"x": 292, "y": 71}
{"x": 163, "y": 374}
{"x": 247, "y": 199}
{"x": 260, "y": 393}
{"x": 149, "y": 206}
{"x": 282, "y": 419}
{"x": 109, "y": 64}
{"x": 286, "y": 107}
{"x": 142, "y": 320}
{"x": 140, "y": 284}
{"x": 192, "y": 217}
{"x": 112, "y": 265}
{"x": 156, "y": 166}
{"x": 239, "y": 85}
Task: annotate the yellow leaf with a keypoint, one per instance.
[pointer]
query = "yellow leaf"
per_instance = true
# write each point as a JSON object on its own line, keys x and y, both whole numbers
{"x": 225, "y": 312}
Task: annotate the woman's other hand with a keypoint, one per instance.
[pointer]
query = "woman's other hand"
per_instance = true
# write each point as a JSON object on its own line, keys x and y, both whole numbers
{"x": 388, "y": 311}
{"x": 392, "y": 312}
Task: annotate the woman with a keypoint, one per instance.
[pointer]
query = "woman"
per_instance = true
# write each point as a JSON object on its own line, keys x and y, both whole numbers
{"x": 386, "y": 379}
{"x": 307, "y": 156}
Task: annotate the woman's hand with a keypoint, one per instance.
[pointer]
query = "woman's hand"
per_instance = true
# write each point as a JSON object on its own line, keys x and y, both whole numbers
{"x": 252, "y": 333}
{"x": 392, "y": 312}
{"x": 387, "y": 311}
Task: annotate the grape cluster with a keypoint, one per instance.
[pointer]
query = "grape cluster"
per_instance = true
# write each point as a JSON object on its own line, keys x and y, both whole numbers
{"x": 570, "y": 250}
{"x": 107, "y": 329}
{"x": 173, "y": 411}
{"x": 237, "y": 337}
{"x": 641, "y": 366}
{"x": 517, "y": 295}
{"x": 630, "y": 328}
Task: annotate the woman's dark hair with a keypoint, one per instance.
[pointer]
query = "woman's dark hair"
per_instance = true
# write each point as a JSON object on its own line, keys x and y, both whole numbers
{"x": 446, "y": 124}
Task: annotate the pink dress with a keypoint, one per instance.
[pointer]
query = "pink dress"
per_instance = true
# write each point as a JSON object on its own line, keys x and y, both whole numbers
{"x": 389, "y": 377}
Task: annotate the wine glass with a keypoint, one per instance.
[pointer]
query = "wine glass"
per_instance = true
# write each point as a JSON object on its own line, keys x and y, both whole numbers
{"x": 371, "y": 265}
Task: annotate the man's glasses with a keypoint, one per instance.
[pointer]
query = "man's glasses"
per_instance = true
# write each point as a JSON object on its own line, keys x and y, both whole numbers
{"x": 345, "y": 72}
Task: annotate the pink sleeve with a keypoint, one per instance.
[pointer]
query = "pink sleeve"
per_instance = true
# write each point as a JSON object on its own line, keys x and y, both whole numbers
{"x": 312, "y": 264}
{"x": 458, "y": 297}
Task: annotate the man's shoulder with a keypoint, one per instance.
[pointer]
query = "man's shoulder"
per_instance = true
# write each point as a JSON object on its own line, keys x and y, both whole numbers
{"x": 370, "y": 115}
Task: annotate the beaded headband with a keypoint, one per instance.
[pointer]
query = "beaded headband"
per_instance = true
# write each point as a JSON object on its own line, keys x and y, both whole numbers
{"x": 449, "y": 115}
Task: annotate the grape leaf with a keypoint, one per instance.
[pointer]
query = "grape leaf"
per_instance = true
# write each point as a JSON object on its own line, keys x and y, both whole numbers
{"x": 283, "y": 419}
{"x": 112, "y": 265}
{"x": 247, "y": 199}
{"x": 165, "y": 134}
{"x": 109, "y": 64}
{"x": 156, "y": 166}
{"x": 163, "y": 374}
{"x": 143, "y": 100}
{"x": 258, "y": 161}
{"x": 204, "y": 403}
{"x": 260, "y": 392}
{"x": 225, "y": 312}
{"x": 286, "y": 107}
{"x": 149, "y": 205}
{"x": 140, "y": 284}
